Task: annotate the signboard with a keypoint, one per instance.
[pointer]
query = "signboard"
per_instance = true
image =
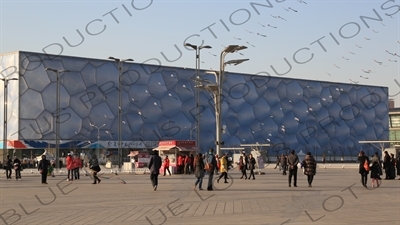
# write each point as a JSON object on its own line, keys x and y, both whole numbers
{"x": 143, "y": 160}
{"x": 260, "y": 162}
{"x": 177, "y": 143}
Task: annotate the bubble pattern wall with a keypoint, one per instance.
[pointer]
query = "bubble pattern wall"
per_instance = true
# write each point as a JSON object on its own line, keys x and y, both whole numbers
{"x": 158, "y": 103}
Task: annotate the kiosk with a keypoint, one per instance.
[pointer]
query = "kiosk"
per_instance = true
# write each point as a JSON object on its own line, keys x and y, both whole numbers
{"x": 174, "y": 148}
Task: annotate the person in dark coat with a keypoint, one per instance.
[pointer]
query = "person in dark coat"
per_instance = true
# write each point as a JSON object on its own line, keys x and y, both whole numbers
{"x": 17, "y": 168}
{"x": 292, "y": 161}
{"x": 375, "y": 160}
{"x": 243, "y": 165}
{"x": 94, "y": 168}
{"x": 8, "y": 167}
{"x": 392, "y": 167}
{"x": 154, "y": 167}
{"x": 310, "y": 168}
{"x": 252, "y": 166}
{"x": 210, "y": 159}
{"x": 199, "y": 170}
{"x": 375, "y": 170}
{"x": 364, "y": 173}
{"x": 386, "y": 165}
{"x": 43, "y": 167}
{"x": 398, "y": 165}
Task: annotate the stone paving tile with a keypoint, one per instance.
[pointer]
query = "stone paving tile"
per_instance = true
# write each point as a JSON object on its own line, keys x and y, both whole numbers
{"x": 192, "y": 209}
{"x": 210, "y": 209}
{"x": 201, "y": 209}
{"x": 267, "y": 200}
{"x": 237, "y": 207}
{"x": 139, "y": 214}
{"x": 220, "y": 208}
{"x": 255, "y": 207}
{"x": 229, "y": 209}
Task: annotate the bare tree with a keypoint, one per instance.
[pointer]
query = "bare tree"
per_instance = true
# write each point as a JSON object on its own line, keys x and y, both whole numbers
{"x": 342, "y": 151}
{"x": 334, "y": 152}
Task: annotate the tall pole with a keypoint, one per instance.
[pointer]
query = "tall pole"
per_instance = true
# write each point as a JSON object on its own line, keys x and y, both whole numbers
{"x": 57, "y": 126}
{"x": 5, "y": 142}
{"x": 197, "y": 92}
{"x": 98, "y": 135}
{"x": 119, "y": 113}
{"x": 218, "y": 103}
{"x": 197, "y": 139}
{"x": 58, "y": 119}
{"x": 120, "y": 62}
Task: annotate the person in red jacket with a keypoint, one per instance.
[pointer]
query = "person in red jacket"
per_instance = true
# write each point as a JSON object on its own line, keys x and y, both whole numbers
{"x": 178, "y": 164}
{"x": 77, "y": 164}
{"x": 69, "y": 161}
{"x": 166, "y": 165}
{"x": 188, "y": 165}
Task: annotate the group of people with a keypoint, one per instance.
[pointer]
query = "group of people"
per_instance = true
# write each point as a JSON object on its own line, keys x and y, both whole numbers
{"x": 290, "y": 163}
{"x": 207, "y": 164}
{"x": 247, "y": 163}
{"x": 199, "y": 167}
{"x": 13, "y": 164}
{"x": 74, "y": 164}
{"x": 390, "y": 164}
{"x": 185, "y": 164}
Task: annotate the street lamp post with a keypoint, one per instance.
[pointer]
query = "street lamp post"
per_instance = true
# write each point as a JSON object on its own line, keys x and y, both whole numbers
{"x": 120, "y": 62}
{"x": 57, "y": 111}
{"x": 197, "y": 49}
{"x": 5, "y": 80}
{"x": 98, "y": 134}
{"x": 216, "y": 89}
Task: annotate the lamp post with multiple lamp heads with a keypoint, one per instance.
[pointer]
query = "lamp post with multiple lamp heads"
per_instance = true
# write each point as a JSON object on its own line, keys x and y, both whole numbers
{"x": 216, "y": 88}
{"x": 120, "y": 63}
{"x": 57, "y": 126}
{"x": 197, "y": 93}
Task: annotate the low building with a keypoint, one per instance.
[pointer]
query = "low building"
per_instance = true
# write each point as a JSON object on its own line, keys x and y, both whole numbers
{"x": 159, "y": 103}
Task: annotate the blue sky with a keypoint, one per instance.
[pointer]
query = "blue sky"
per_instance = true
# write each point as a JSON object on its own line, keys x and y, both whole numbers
{"x": 329, "y": 39}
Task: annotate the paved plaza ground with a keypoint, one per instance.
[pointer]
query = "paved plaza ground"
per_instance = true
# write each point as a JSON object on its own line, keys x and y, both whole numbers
{"x": 337, "y": 197}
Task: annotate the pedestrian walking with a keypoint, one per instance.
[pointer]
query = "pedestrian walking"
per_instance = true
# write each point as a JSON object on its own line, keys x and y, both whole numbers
{"x": 310, "y": 168}
{"x": 398, "y": 165}
{"x": 223, "y": 163}
{"x": 188, "y": 164}
{"x": 218, "y": 164}
{"x": 362, "y": 170}
{"x": 292, "y": 161}
{"x": 166, "y": 165}
{"x": 375, "y": 170}
{"x": 94, "y": 168}
{"x": 386, "y": 165}
{"x": 17, "y": 168}
{"x": 212, "y": 164}
{"x": 243, "y": 163}
{"x": 77, "y": 164}
{"x": 375, "y": 159}
{"x": 199, "y": 170}
{"x": 70, "y": 166}
{"x": 8, "y": 167}
{"x": 51, "y": 168}
{"x": 283, "y": 162}
{"x": 392, "y": 167}
{"x": 43, "y": 167}
{"x": 252, "y": 166}
{"x": 277, "y": 163}
{"x": 154, "y": 167}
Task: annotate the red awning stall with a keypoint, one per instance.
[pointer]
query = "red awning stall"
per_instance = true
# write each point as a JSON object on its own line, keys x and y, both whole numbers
{"x": 173, "y": 148}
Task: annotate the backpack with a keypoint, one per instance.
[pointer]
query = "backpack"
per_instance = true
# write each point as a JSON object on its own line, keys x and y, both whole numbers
{"x": 366, "y": 166}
